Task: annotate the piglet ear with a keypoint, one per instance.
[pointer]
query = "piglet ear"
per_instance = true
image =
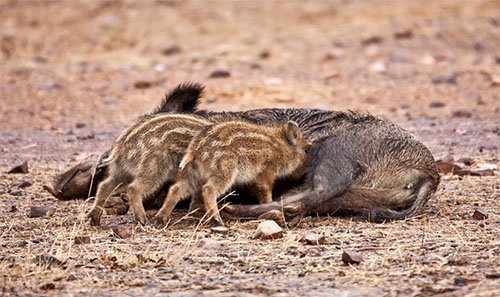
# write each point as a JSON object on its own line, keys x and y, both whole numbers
{"x": 292, "y": 132}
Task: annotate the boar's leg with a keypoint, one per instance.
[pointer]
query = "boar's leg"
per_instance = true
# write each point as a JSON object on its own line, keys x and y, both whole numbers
{"x": 418, "y": 196}
{"x": 288, "y": 207}
{"x": 336, "y": 184}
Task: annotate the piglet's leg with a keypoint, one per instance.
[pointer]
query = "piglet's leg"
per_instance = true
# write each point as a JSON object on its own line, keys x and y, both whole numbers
{"x": 106, "y": 188}
{"x": 196, "y": 204}
{"x": 211, "y": 191}
{"x": 176, "y": 193}
{"x": 135, "y": 199}
{"x": 263, "y": 187}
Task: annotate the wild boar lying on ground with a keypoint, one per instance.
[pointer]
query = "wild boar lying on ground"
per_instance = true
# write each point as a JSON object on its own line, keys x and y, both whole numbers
{"x": 358, "y": 163}
{"x": 236, "y": 153}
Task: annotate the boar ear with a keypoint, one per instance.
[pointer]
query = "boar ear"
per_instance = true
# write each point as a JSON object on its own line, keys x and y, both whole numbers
{"x": 292, "y": 132}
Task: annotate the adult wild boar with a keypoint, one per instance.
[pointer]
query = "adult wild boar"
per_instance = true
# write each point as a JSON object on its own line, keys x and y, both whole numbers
{"x": 358, "y": 163}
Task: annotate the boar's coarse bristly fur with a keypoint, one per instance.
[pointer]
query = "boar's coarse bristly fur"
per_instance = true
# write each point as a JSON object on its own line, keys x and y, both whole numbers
{"x": 236, "y": 153}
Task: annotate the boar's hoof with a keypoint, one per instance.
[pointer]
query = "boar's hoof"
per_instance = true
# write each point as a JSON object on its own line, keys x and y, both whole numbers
{"x": 95, "y": 217}
{"x": 274, "y": 215}
{"x": 232, "y": 212}
{"x": 374, "y": 215}
{"x": 230, "y": 209}
{"x": 293, "y": 210}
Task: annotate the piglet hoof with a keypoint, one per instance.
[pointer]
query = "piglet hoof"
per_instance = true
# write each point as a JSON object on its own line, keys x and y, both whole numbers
{"x": 95, "y": 217}
{"x": 159, "y": 221}
{"x": 217, "y": 222}
{"x": 95, "y": 222}
{"x": 141, "y": 218}
{"x": 274, "y": 215}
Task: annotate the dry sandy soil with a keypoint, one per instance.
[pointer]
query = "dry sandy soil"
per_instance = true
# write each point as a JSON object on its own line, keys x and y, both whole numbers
{"x": 73, "y": 74}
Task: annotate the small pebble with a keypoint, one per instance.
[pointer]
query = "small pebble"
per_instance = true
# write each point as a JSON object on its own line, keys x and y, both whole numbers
{"x": 220, "y": 74}
{"x": 268, "y": 230}
{"x": 351, "y": 257}
{"x": 479, "y": 214}
{"x": 20, "y": 168}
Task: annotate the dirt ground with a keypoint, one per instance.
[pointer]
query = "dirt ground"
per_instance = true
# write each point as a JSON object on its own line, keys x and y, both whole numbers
{"x": 74, "y": 74}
